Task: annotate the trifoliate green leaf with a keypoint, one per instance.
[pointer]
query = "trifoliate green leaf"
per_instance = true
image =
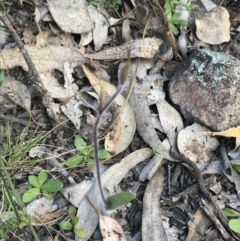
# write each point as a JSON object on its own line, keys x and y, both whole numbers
{"x": 30, "y": 194}
{"x": 33, "y": 180}
{"x": 52, "y": 186}
{"x": 65, "y": 225}
{"x": 42, "y": 177}
{"x": 72, "y": 212}
{"x": 79, "y": 143}
{"x": 234, "y": 224}
{"x": 79, "y": 233}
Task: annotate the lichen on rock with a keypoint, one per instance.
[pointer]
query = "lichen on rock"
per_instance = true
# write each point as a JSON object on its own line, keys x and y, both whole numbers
{"x": 207, "y": 89}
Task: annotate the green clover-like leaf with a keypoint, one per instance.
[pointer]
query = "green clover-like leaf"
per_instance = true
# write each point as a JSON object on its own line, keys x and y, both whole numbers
{"x": 74, "y": 161}
{"x": 79, "y": 233}
{"x": 75, "y": 221}
{"x": 47, "y": 195}
{"x": 42, "y": 177}
{"x": 30, "y": 194}
{"x": 66, "y": 225}
{"x": 79, "y": 143}
{"x": 72, "y": 212}
{"x": 234, "y": 224}
{"x": 90, "y": 163}
{"x": 230, "y": 212}
{"x": 52, "y": 186}
{"x": 33, "y": 180}
{"x": 103, "y": 154}
{"x": 174, "y": 29}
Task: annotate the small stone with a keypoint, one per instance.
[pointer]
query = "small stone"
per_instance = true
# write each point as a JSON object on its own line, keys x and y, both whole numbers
{"x": 207, "y": 89}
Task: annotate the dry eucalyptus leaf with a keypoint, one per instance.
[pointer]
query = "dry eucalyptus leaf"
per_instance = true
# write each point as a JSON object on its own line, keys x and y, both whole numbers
{"x": 86, "y": 38}
{"x": 237, "y": 144}
{"x": 56, "y": 90}
{"x": 198, "y": 228}
{"x": 16, "y": 92}
{"x": 170, "y": 120}
{"x": 143, "y": 48}
{"x": 88, "y": 216}
{"x": 121, "y": 133}
{"x": 41, "y": 206}
{"x": 152, "y": 166}
{"x": 100, "y": 30}
{"x": 75, "y": 193}
{"x": 111, "y": 230}
{"x": 40, "y": 12}
{"x": 71, "y": 16}
{"x": 208, "y": 4}
{"x": 153, "y": 86}
{"x": 114, "y": 21}
{"x": 138, "y": 101}
{"x": 45, "y": 59}
{"x": 192, "y": 144}
{"x": 73, "y": 112}
{"x": 126, "y": 35}
{"x": 152, "y": 227}
{"x": 55, "y": 112}
{"x": 156, "y": 122}
{"x": 124, "y": 166}
{"x": 142, "y": 68}
{"x": 214, "y": 27}
{"x": 6, "y": 104}
{"x": 231, "y": 132}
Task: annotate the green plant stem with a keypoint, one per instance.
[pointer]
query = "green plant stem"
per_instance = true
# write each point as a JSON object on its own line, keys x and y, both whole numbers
{"x": 15, "y": 194}
{"x": 102, "y": 109}
{"x": 33, "y": 231}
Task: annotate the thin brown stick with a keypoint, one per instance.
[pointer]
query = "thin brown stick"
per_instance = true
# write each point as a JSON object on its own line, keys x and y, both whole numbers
{"x": 32, "y": 69}
{"x": 13, "y": 119}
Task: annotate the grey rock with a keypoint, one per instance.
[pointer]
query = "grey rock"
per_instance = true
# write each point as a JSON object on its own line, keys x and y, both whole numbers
{"x": 207, "y": 89}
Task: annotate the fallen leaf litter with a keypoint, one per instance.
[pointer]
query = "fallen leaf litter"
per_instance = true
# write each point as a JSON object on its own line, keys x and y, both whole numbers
{"x": 204, "y": 89}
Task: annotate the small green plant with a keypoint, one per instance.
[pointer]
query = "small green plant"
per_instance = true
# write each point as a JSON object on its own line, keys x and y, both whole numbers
{"x": 12, "y": 159}
{"x": 12, "y": 223}
{"x": 174, "y": 17}
{"x": 85, "y": 154}
{"x": 234, "y": 223}
{"x": 39, "y": 185}
{"x": 107, "y": 3}
{"x": 236, "y": 167}
{"x": 71, "y": 225}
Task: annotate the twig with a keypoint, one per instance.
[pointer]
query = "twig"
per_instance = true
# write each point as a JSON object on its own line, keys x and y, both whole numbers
{"x": 214, "y": 220}
{"x": 31, "y": 66}
{"x": 13, "y": 119}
